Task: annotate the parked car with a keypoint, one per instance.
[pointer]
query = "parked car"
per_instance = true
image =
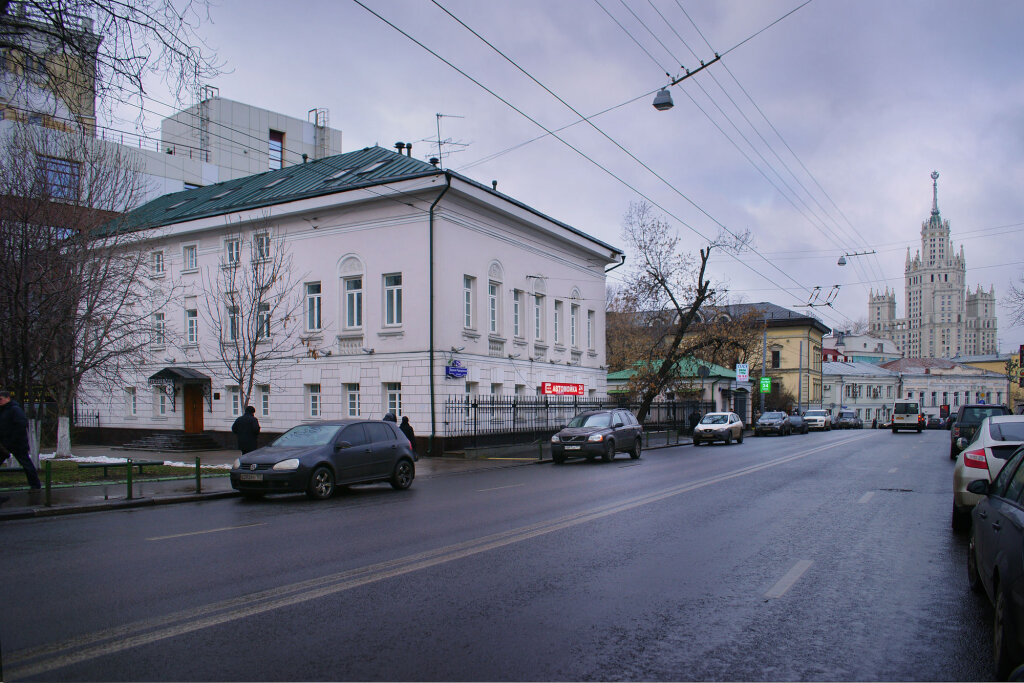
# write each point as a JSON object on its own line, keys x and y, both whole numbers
{"x": 966, "y": 421}
{"x": 848, "y": 419}
{"x": 798, "y": 424}
{"x": 934, "y": 422}
{"x": 722, "y": 427}
{"x": 818, "y": 419}
{"x": 598, "y": 433}
{"x": 995, "y": 440}
{"x": 773, "y": 422}
{"x": 995, "y": 564}
{"x": 320, "y": 456}
{"x": 907, "y": 415}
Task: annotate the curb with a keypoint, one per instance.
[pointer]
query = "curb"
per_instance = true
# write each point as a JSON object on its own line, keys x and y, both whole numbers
{"x": 38, "y": 512}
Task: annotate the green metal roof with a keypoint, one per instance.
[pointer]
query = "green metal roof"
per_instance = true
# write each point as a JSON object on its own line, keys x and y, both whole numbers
{"x": 339, "y": 173}
{"x": 687, "y": 368}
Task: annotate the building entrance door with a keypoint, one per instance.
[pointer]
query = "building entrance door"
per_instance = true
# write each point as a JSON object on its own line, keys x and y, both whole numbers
{"x": 193, "y": 404}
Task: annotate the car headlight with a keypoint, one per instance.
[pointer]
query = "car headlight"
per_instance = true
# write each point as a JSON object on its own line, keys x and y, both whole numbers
{"x": 555, "y": 439}
{"x": 237, "y": 464}
{"x": 289, "y": 464}
{"x": 595, "y": 437}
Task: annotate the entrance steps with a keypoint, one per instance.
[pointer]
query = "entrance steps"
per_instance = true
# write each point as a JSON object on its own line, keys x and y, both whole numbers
{"x": 173, "y": 441}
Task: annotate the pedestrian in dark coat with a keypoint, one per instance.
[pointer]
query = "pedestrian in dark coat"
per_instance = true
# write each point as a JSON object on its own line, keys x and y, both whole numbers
{"x": 14, "y": 436}
{"x": 407, "y": 430}
{"x": 247, "y": 428}
{"x": 694, "y": 420}
{"x": 390, "y": 417}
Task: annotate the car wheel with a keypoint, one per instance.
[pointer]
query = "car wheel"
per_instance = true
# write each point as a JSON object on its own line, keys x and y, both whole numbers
{"x": 918, "y": 430}
{"x": 952, "y": 452}
{"x": 961, "y": 520}
{"x": 1003, "y": 637}
{"x": 559, "y": 458}
{"x": 635, "y": 453}
{"x": 728, "y": 438}
{"x": 739, "y": 439}
{"x": 321, "y": 483}
{"x": 609, "y": 451}
{"x": 894, "y": 430}
{"x": 973, "y": 578}
{"x": 402, "y": 477}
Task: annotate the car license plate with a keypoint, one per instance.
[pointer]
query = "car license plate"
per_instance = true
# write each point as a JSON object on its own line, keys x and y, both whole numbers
{"x": 572, "y": 448}
{"x": 246, "y": 476}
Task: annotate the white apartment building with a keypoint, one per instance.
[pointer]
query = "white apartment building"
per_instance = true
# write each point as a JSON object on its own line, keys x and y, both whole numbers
{"x": 935, "y": 382}
{"x": 417, "y": 284}
{"x": 863, "y": 387}
{"x": 942, "y": 317}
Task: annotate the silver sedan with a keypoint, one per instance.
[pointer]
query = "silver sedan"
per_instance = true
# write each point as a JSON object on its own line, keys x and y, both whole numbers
{"x": 995, "y": 440}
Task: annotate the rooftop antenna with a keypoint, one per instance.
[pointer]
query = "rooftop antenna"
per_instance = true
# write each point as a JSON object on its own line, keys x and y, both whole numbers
{"x": 440, "y": 142}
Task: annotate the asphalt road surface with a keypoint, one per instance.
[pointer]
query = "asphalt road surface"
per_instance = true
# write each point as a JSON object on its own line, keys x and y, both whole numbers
{"x": 809, "y": 557}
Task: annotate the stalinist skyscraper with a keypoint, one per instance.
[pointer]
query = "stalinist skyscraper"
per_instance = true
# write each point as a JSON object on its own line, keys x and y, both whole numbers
{"x": 943, "y": 318}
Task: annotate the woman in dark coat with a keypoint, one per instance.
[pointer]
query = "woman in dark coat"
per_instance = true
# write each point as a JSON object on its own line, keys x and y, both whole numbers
{"x": 247, "y": 428}
{"x": 407, "y": 430}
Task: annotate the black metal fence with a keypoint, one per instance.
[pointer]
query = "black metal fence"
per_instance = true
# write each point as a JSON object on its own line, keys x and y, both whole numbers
{"x": 536, "y": 415}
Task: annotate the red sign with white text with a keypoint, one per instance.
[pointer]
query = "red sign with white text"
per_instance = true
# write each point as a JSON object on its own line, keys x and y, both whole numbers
{"x": 561, "y": 389}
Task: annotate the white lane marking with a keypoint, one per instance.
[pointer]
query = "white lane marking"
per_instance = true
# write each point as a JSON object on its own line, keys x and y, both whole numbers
{"x": 498, "y": 488}
{"x": 892, "y": 470}
{"x": 89, "y": 646}
{"x": 206, "y": 531}
{"x": 787, "y": 581}
{"x": 866, "y": 497}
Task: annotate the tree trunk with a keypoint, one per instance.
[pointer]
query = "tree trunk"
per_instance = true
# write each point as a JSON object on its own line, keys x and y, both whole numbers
{"x": 63, "y": 436}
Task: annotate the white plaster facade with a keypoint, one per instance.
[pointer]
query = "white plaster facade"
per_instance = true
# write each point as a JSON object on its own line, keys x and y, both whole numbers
{"x": 507, "y": 251}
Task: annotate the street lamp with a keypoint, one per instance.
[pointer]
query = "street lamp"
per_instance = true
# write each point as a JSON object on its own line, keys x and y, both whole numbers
{"x": 842, "y": 259}
{"x": 663, "y": 100}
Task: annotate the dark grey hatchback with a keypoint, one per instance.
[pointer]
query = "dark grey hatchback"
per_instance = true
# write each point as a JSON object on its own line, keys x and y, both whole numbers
{"x": 317, "y": 457}
{"x": 598, "y": 433}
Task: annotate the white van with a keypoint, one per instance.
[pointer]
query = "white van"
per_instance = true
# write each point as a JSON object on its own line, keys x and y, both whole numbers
{"x": 907, "y": 415}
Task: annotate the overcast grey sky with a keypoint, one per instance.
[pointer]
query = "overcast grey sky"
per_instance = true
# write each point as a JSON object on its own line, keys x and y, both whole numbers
{"x": 869, "y": 97}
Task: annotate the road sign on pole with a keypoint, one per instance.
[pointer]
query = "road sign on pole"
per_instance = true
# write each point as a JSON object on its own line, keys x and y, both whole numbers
{"x": 766, "y": 385}
{"x": 742, "y": 372}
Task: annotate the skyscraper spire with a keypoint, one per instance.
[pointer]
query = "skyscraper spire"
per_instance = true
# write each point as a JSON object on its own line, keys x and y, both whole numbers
{"x": 935, "y": 193}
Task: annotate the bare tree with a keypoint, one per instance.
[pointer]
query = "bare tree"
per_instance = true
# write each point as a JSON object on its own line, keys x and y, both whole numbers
{"x": 75, "y": 293}
{"x": 1015, "y": 302}
{"x": 106, "y": 48}
{"x": 254, "y": 302}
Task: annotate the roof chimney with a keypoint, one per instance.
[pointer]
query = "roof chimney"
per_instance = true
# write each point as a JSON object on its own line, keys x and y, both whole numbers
{"x": 408, "y": 149}
{"x": 399, "y": 146}
{"x": 434, "y": 161}
{"x": 494, "y": 185}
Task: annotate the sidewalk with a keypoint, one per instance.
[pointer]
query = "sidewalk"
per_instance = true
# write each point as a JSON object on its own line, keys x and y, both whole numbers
{"x": 26, "y": 503}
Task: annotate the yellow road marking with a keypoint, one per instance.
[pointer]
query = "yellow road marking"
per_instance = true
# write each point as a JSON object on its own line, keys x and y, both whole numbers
{"x": 207, "y": 531}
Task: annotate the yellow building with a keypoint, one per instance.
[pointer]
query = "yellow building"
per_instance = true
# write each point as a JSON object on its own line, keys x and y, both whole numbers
{"x": 997, "y": 363}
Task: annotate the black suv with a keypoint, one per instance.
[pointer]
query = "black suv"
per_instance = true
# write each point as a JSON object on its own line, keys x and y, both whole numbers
{"x": 598, "y": 433}
{"x": 966, "y": 422}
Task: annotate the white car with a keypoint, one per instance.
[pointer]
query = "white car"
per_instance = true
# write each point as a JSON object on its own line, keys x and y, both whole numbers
{"x": 995, "y": 440}
{"x": 722, "y": 427}
{"x": 818, "y": 419}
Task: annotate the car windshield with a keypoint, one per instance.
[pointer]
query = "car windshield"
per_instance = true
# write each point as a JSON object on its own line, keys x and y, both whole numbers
{"x": 772, "y": 416}
{"x": 307, "y": 435}
{"x": 1006, "y": 431}
{"x": 815, "y": 413}
{"x": 906, "y": 409}
{"x": 715, "y": 420}
{"x": 846, "y": 415}
{"x": 592, "y": 420}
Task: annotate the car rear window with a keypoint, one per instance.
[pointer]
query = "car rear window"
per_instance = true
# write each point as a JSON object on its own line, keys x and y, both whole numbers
{"x": 1006, "y": 431}
{"x": 974, "y": 416}
{"x": 906, "y": 409}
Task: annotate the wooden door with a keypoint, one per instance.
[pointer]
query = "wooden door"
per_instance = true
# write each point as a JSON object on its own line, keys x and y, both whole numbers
{"x": 193, "y": 408}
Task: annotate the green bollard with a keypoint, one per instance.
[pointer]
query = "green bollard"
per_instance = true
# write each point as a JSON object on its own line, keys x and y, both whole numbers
{"x": 129, "y": 478}
{"x": 49, "y": 478}
{"x": 199, "y": 479}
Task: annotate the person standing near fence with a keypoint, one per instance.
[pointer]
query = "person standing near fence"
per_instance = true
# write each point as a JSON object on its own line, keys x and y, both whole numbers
{"x": 247, "y": 428}
{"x": 14, "y": 436}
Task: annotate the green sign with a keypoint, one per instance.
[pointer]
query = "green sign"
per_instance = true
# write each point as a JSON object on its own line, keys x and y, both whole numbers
{"x": 766, "y": 385}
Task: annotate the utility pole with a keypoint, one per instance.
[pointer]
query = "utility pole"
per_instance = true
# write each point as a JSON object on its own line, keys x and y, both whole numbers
{"x": 764, "y": 360}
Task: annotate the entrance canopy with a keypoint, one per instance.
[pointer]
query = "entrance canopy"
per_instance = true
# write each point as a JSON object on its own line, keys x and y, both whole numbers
{"x": 178, "y": 375}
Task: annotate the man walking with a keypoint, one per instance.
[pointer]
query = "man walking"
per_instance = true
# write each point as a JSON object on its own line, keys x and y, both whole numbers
{"x": 247, "y": 428}
{"x": 14, "y": 436}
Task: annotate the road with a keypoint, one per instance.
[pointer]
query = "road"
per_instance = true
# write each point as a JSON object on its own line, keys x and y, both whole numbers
{"x": 809, "y": 557}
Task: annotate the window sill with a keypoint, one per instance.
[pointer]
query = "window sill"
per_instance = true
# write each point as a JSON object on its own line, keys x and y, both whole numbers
{"x": 189, "y": 271}
{"x": 472, "y": 335}
{"x": 157, "y": 276}
{"x": 227, "y": 266}
{"x": 397, "y": 332}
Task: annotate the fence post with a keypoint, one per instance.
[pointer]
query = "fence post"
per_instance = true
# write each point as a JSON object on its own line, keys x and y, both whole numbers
{"x": 48, "y": 475}
{"x": 540, "y": 449}
{"x": 199, "y": 478}
{"x": 129, "y": 478}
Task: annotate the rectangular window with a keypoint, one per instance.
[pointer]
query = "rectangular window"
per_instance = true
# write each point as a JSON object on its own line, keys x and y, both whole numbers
{"x": 313, "y": 400}
{"x": 133, "y": 401}
{"x": 159, "y": 329}
{"x": 265, "y": 400}
{"x": 558, "y": 322}
{"x": 393, "y": 392}
{"x": 393, "y": 299}
{"x": 276, "y": 143}
{"x": 591, "y": 322}
{"x": 776, "y": 359}
{"x": 538, "y": 317}
{"x": 59, "y": 177}
{"x": 467, "y": 301}
{"x": 574, "y": 314}
{"x": 517, "y": 305}
{"x": 189, "y": 258}
{"x": 492, "y": 307}
{"x": 263, "y": 321}
{"x": 354, "y": 302}
{"x": 235, "y": 405}
{"x": 158, "y": 263}
{"x": 161, "y": 403}
{"x": 313, "y": 306}
{"x": 234, "y": 324}
{"x": 232, "y": 251}
{"x": 352, "y": 399}
{"x": 261, "y": 246}
{"x": 192, "y": 326}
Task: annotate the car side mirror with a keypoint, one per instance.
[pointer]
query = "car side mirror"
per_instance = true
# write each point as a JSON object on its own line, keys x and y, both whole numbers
{"x": 961, "y": 443}
{"x": 342, "y": 445}
{"x": 979, "y": 487}
{"x": 617, "y": 425}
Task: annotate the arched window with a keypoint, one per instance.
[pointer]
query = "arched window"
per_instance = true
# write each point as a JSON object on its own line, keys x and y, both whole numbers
{"x": 351, "y": 282}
